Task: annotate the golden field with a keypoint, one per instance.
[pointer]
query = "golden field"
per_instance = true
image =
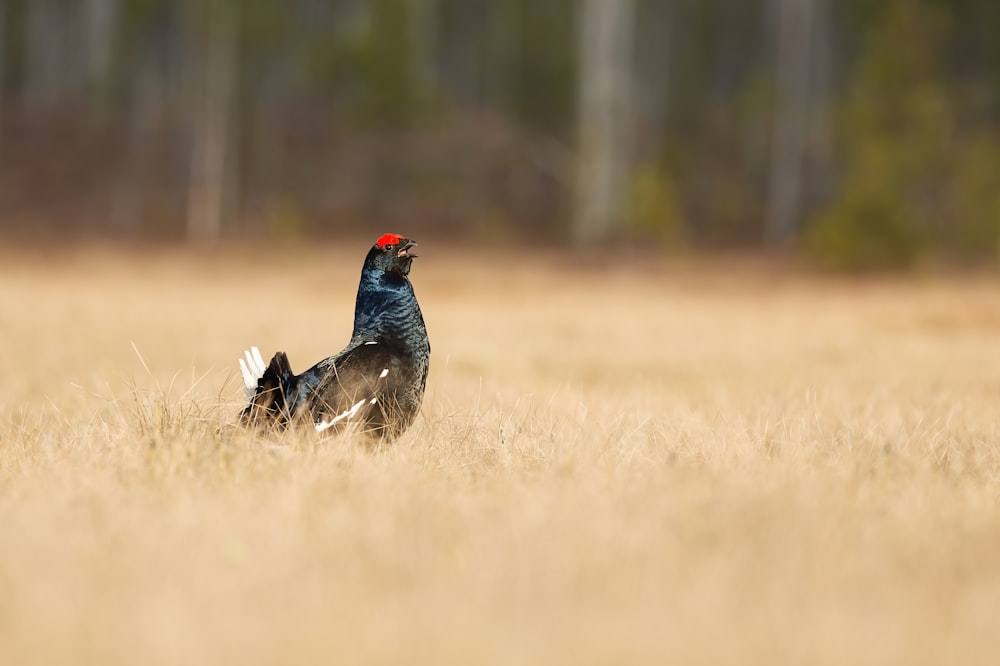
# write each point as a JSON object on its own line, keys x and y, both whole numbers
{"x": 619, "y": 461}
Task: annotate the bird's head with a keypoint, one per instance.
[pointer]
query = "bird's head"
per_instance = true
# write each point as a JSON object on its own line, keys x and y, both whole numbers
{"x": 392, "y": 253}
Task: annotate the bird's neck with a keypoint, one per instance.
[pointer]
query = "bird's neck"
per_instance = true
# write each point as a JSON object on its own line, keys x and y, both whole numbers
{"x": 386, "y": 311}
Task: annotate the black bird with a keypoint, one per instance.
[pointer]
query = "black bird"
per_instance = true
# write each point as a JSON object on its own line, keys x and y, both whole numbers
{"x": 376, "y": 383}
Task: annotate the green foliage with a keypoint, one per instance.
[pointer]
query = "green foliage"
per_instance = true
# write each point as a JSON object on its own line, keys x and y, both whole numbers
{"x": 866, "y": 229}
{"x": 285, "y": 221}
{"x": 543, "y": 63}
{"x": 377, "y": 70}
{"x": 265, "y": 26}
{"x": 653, "y": 205}
{"x": 391, "y": 94}
{"x": 970, "y": 234}
{"x": 915, "y": 178}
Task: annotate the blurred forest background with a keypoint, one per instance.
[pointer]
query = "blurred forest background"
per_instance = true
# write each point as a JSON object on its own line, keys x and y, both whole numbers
{"x": 862, "y": 133}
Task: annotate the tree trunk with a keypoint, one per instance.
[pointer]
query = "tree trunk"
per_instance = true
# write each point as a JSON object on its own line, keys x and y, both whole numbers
{"x": 462, "y": 49}
{"x": 101, "y": 18}
{"x": 140, "y": 122}
{"x": 605, "y": 78}
{"x": 653, "y": 41}
{"x": 3, "y": 67}
{"x": 821, "y": 100}
{"x": 41, "y": 62}
{"x": 790, "y": 120}
{"x": 425, "y": 19}
{"x": 213, "y": 125}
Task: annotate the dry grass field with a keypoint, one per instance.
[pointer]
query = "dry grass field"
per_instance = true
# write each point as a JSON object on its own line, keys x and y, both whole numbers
{"x": 640, "y": 461}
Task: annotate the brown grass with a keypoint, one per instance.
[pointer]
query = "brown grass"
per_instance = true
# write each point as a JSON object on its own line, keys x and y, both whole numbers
{"x": 634, "y": 463}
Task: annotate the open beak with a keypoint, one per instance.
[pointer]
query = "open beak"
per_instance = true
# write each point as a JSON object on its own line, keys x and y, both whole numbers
{"x": 405, "y": 250}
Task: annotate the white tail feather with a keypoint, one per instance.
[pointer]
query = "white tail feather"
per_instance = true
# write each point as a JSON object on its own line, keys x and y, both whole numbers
{"x": 252, "y": 368}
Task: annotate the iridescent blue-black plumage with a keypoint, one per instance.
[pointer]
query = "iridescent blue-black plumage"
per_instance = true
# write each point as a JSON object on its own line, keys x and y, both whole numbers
{"x": 377, "y": 382}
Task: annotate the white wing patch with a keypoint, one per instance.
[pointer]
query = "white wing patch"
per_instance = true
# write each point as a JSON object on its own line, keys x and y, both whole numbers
{"x": 371, "y": 343}
{"x": 253, "y": 369}
{"x": 323, "y": 425}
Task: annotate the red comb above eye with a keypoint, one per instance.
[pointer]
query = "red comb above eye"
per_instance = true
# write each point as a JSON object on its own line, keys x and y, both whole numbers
{"x": 388, "y": 239}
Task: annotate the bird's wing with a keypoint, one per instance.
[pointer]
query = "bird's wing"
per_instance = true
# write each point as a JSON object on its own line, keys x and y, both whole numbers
{"x": 353, "y": 383}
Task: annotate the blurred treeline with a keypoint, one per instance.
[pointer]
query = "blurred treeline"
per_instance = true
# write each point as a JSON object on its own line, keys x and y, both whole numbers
{"x": 863, "y": 132}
